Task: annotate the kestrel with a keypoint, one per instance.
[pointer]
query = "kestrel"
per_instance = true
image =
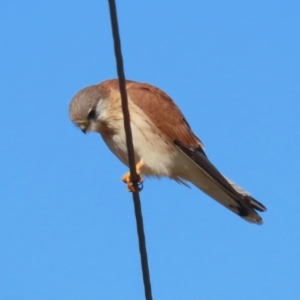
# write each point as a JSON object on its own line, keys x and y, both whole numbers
{"x": 164, "y": 144}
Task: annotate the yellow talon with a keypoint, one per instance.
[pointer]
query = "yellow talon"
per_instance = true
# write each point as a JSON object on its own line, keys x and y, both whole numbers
{"x": 127, "y": 179}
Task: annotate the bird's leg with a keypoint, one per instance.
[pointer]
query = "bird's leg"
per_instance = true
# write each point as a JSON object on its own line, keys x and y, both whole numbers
{"x": 127, "y": 178}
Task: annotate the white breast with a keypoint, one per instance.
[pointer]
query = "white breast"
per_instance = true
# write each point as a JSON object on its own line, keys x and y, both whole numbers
{"x": 158, "y": 153}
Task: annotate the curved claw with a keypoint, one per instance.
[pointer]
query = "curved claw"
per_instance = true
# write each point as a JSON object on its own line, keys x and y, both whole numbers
{"x": 132, "y": 188}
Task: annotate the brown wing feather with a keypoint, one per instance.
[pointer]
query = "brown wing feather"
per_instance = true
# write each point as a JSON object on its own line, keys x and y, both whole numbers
{"x": 163, "y": 112}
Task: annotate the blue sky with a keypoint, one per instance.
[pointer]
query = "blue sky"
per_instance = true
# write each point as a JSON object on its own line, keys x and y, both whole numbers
{"x": 67, "y": 227}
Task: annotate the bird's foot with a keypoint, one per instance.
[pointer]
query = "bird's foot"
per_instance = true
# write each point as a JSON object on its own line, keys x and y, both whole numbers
{"x": 134, "y": 186}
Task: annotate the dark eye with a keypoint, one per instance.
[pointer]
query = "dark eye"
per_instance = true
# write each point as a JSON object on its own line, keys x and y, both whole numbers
{"x": 92, "y": 114}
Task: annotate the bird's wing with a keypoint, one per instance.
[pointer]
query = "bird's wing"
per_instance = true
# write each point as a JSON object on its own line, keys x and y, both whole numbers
{"x": 163, "y": 112}
{"x": 226, "y": 192}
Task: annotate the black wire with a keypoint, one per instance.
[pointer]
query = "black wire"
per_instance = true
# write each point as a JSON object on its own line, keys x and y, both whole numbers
{"x": 130, "y": 149}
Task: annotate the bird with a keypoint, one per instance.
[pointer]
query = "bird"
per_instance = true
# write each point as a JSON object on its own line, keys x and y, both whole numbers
{"x": 164, "y": 143}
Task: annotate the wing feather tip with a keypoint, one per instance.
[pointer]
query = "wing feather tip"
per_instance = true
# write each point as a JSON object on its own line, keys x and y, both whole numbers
{"x": 255, "y": 204}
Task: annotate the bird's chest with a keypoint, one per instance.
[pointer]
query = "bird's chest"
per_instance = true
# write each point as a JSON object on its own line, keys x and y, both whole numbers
{"x": 150, "y": 145}
{"x": 116, "y": 142}
{"x": 156, "y": 153}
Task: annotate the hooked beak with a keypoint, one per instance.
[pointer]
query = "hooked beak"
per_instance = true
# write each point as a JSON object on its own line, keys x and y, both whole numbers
{"x": 83, "y": 128}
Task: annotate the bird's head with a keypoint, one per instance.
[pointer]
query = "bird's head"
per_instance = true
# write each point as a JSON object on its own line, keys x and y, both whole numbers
{"x": 83, "y": 108}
